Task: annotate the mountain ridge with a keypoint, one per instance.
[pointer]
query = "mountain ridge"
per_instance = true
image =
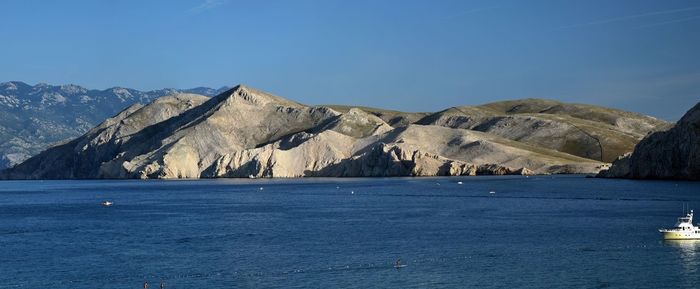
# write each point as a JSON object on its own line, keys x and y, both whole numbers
{"x": 247, "y": 132}
{"x": 37, "y": 116}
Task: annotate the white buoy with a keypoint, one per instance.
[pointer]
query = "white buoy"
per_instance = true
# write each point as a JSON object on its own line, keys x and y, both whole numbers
{"x": 261, "y": 188}
{"x": 459, "y": 183}
{"x": 352, "y": 192}
{"x": 492, "y": 192}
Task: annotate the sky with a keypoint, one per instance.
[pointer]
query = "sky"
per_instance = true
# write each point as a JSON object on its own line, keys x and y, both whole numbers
{"x": 637, "y": 55}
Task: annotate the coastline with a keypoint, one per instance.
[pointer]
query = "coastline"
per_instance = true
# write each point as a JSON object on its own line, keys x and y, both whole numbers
{"x": 583, "y": 175}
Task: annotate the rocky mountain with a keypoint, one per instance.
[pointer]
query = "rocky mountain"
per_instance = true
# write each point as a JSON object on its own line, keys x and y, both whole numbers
{"x": 34, "y": 117}
{"x": 587, "y": 131}
{"x": 670, "y": 154}
{"x": 246, "y": 132}
{"x": 392, "y": 117}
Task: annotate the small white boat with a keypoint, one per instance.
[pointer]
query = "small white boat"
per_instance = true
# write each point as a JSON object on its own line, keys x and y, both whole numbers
{"x": 684, "y": 229}
{"x": 107, "y": 203}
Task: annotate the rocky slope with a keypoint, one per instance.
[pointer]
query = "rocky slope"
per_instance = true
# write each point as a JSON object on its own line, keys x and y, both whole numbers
{"x": 583, "y": 130}
{"x": 391, "y": 117}
{"x": 246, "y": 132}
{"x": 671, "y": 154}
{"x": 34, "y": 117}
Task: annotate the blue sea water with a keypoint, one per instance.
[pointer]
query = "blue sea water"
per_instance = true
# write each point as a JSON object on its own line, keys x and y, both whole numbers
{"x": 536, "y": 232}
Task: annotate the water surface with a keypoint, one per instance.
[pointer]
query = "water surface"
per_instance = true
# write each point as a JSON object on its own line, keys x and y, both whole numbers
{"x": 536, "y": 232}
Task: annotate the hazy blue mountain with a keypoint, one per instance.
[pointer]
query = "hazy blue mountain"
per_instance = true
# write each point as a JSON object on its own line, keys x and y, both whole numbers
{"x": 34, "y": 117}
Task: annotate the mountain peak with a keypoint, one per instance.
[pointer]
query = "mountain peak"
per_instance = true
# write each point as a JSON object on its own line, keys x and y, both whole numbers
{"x": 72, "y": 88}
{"x": 258, "y": 97}
{"x": 13, "y": 85}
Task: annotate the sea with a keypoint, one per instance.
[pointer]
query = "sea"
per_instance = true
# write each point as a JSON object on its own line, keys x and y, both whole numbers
{"x": 563, "y": 231}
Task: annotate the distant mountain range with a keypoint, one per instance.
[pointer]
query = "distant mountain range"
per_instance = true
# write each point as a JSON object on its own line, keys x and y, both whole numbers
{"x": 34, "y": 117}
{"x": 245, "y": 132}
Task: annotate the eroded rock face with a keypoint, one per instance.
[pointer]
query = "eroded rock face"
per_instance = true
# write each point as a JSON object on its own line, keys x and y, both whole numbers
{"x": 246, "y": 132}
{"x": 671, "y": 154}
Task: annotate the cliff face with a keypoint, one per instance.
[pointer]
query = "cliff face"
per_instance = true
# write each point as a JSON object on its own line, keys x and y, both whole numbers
{"x": 246, "y": 132}
{"x": 671, "y": 154}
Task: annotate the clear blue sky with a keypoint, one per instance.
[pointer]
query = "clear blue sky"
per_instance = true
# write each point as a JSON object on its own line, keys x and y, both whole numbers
{"x": 637, "y": 55}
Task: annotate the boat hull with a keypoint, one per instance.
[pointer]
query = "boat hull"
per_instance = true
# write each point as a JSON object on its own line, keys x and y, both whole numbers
{"x": 681, "y": 236}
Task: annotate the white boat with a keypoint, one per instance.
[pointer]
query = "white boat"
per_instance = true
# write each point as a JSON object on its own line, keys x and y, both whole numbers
{"x": 684, "y": 229}
{"x": 107, "y": 203}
